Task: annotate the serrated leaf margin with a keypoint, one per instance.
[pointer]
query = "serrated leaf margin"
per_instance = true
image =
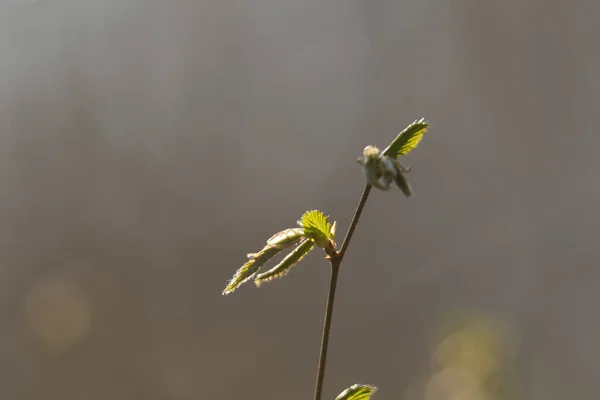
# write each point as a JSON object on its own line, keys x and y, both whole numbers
{"x": 317, "y": 227}
{"x": 407, "y": 140}
{"x": 250, "y": 268}
{"x": 288, "y": 262}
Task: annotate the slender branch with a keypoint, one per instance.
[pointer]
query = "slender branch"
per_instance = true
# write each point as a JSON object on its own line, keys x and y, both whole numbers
{"x": 355, "y": 218}
{"x": 336, "y": 261}
{"x": 335, "y": 269}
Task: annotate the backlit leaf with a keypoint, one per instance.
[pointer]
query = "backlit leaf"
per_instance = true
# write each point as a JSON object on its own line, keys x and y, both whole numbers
{"x": 407, "y": 140}
{"x": 317, "y": 227}
{"x": 283, "y": 267}
{"x": 249, "y": 269}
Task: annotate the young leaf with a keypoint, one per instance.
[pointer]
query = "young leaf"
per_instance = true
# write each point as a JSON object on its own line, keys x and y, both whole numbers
{"x": 248, "y": 270}
{"x": 357, "y": 392}
{"x": 407, "y": 140}
{"x": 401, "y": 180}
{"x": 317, "y": 227}
{"x": 283, "y": 267}
{"x": 286, "y": 238}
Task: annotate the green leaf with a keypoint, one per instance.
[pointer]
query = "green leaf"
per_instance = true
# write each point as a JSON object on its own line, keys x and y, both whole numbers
{"x": 401, "y": 181}
{"x": 317, "y": 227}
{"x": 407, "y": 140}
{"x": 283, "y": 267}
{"x": 357, "y": 392}
{"x": 286, "y": 238}
{"x": 249, "y": 269}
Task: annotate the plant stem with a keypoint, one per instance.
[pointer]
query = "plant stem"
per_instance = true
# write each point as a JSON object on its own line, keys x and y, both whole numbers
{"x": 355, "y": 218}
{"x": 336, "y": 261}
{"x": 335, "y": 269}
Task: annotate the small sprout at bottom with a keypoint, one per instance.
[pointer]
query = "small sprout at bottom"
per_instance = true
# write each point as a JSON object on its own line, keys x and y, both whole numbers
{"x": 357, "y": 392}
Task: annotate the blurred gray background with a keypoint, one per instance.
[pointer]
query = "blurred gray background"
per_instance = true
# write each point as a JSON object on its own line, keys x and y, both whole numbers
{"x": 147, "y": 146}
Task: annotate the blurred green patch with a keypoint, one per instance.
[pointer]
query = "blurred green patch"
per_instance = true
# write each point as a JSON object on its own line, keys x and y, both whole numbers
{"x": 472, "y": 358}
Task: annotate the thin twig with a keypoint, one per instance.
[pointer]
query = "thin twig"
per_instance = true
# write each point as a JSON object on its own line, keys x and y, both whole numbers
{"x": 336, "y": 261}
{"x": 335, "y": 269}
{"x": 355, "y": 218}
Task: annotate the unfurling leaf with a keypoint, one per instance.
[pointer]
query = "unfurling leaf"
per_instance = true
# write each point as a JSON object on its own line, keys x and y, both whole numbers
{"x": 381, "y": 171}
{"x": 283, "y": 267}
{"x": 357, "y": 392}
{"x": 248, "y": 270}
{"x": 373, "y": 168}
{"x": 401, "y": 180}
{"x": 286, "y": 238}
{"x": 407, "y": 140}
{"x": 317, "y": 227}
